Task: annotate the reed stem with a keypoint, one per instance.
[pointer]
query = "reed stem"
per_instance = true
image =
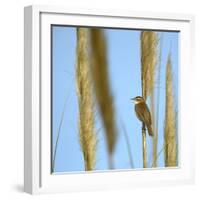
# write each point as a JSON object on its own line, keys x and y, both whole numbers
{"x": 144, "y": 146}
{"x": 128, "y": 145}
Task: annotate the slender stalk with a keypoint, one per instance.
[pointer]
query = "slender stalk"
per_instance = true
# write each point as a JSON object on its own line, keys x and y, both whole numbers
{"x": 128, "y": 145}
{"x": 86, "y": 109}
{"x": 58, "y": 134}
{"x": 144, "y": 146}
{"x": 159, "y": 153}
{"x": 157, "y": 156}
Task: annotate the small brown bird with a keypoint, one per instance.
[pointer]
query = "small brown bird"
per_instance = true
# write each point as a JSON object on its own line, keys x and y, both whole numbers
{"x": 143, "y": 113}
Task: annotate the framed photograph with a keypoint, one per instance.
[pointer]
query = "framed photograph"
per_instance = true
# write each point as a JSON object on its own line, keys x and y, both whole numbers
{"x": 107, "y": 99}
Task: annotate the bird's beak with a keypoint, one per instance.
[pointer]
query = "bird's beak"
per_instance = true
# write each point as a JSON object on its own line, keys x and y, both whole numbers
{"x": 132, "y": 99}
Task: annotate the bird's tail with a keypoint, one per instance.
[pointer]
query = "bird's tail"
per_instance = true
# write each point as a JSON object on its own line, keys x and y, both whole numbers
{"x": 150, "y": 130}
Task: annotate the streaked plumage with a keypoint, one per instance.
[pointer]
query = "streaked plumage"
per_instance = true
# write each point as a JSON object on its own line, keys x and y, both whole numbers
{"x": 143, "y": 113}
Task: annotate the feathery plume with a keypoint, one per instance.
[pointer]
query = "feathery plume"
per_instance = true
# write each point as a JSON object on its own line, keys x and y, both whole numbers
{"x": 85, "y": 100}
{"x": 170, "y": 120}
{"x": 102, "y": 88}
{"x": 148, "y": 40}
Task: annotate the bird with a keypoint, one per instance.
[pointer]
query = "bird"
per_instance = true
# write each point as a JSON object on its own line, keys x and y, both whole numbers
{"x": 143, "y": 113}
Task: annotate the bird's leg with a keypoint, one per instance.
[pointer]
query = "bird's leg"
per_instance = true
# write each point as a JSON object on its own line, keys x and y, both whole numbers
{"x": 143, "y": 127}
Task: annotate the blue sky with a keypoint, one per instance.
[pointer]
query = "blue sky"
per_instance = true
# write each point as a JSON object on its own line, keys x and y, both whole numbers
{"x": 123, "y": 48}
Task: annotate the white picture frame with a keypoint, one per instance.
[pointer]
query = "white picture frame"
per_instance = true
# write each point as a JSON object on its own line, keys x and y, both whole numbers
{"x": 37, "y": 176}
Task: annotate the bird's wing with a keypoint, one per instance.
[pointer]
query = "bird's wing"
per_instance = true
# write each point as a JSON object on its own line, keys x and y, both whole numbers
{"x": 143, "y": 113}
